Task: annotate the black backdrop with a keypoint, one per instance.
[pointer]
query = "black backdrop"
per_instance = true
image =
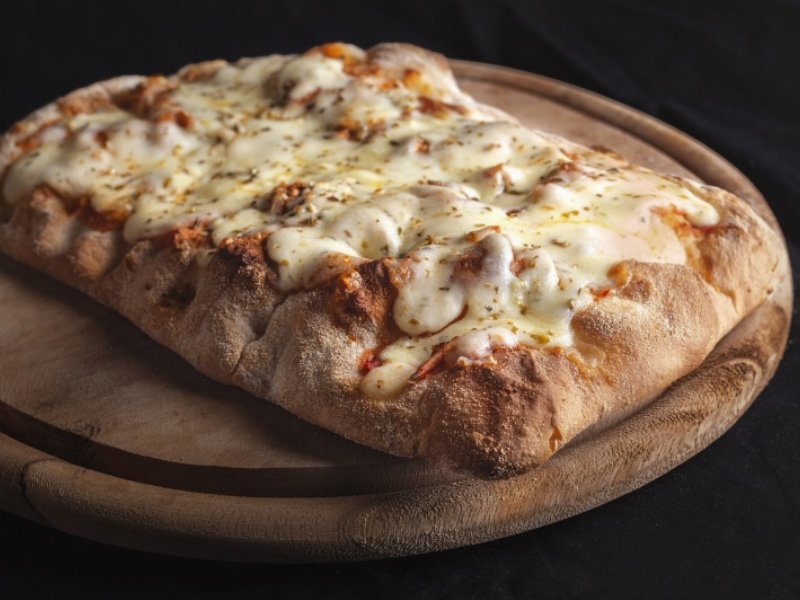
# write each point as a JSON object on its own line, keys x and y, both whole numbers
{"x": 727, "y": 523}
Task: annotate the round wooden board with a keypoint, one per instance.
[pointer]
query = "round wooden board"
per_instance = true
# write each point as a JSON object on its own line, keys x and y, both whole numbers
{"x": 107, "y": 435}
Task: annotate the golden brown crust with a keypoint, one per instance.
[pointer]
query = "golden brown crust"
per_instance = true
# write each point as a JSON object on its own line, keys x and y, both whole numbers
{"x": 305, "y": 351}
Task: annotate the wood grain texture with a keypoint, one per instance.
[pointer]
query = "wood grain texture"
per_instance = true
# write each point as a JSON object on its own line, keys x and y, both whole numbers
{"x": 109, "y": 436}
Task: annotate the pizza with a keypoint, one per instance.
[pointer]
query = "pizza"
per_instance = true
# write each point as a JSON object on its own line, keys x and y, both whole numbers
{"x": 349, "y": 235}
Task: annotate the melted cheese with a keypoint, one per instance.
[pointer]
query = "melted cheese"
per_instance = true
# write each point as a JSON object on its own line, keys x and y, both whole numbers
{"x": 382, "y": 175}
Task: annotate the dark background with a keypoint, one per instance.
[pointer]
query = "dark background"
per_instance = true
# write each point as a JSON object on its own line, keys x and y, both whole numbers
{"x": 724, "y": 525}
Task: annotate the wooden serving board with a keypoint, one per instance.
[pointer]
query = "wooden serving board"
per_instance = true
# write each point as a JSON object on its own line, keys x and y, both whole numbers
{"x": 106, "y": 435}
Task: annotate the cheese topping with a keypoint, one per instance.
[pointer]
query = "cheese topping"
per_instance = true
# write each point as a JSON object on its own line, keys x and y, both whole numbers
{"x": 509, "y": 231}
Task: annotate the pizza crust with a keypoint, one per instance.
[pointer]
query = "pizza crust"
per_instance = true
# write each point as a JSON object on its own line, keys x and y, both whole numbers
{"x": 304, "y": 350}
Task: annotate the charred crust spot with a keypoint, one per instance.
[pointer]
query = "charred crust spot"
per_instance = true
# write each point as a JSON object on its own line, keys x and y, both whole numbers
{"x": 422, "y": 146}
{"x": 518, "y": 264}
{"x": 397, "y": 57}
{"x": 105, "y": 221}
{"x": 81, "y": 103}
{"x": 179, "y": 117}
{"x": 693, "y": 238}
{"x": 599, "y": 293}
{"x": 361, "y": 69}
{"x": 29, "y": 143}
{"x": 189, "y": 237}
{"x": 605, "y": 150}
{"x": 308, "y": 99}
{"x": 247, "y": 250}
{"x": 286, "y": 196}
{"x": 684, "y": 229}
{"x": 400, "y": 271}
{"x": 101, "y": 137}
{"x": 499, "y": 175}
{"x": 365, "y": 294}
{"x": 569, "y": 154}
{"x": 81, "y": 208}
{"x": 145, "y": 97}
{"x": 348, "y": 129}
{"x": 479, "y": 234}
{"x": 469, "y": 263}
{"x": 34, "y": 139}
{"x": 554, "y": 176}
{"x": 619, "y": 273}
{"x": 351, "y": 65}
{"x": 412, "y": 79}
{"x": 354, "y": 131}
{"x": 388, "y": 84}
{"x": 335, "y": 50}
{"x": 279, "y": 91}
{"x": 437, "y": 108}
{"x": 200, "y": 71}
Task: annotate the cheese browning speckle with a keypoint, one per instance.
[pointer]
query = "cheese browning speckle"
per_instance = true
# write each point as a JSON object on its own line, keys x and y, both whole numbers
{"x": 334, "y": 160}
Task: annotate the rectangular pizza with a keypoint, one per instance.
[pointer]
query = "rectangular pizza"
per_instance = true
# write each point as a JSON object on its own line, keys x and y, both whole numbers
{"x": 347, "y": 234}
